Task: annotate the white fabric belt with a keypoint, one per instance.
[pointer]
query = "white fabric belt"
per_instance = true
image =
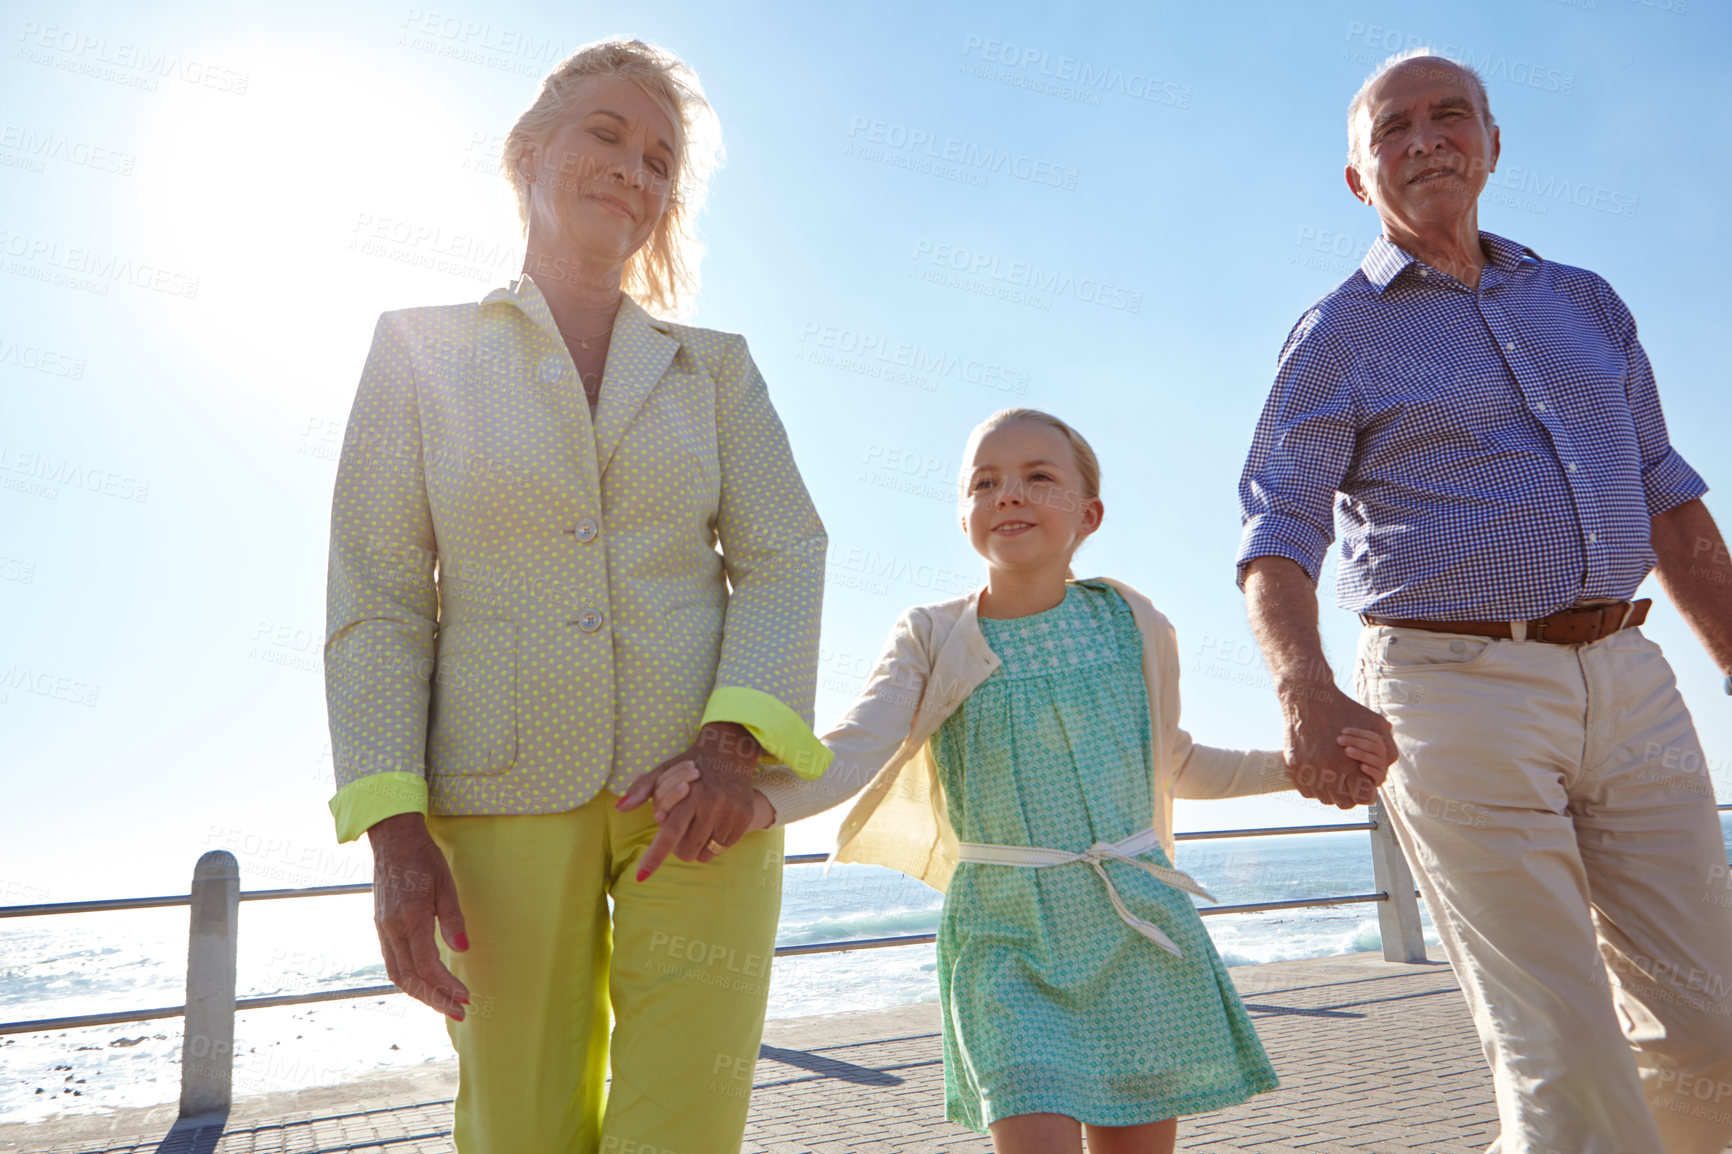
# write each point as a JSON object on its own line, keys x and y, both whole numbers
{"x": 1033, "y": 857}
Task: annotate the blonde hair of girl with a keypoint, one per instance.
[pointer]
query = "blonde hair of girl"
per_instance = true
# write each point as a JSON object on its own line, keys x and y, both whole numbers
{"x": 1088, "y": 465}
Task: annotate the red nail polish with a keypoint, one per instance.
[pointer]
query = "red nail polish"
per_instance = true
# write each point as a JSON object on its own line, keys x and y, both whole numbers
{"x": 642, "y": 875}
{"x": 461, "y": 941}
{"x": 463, "y": 998}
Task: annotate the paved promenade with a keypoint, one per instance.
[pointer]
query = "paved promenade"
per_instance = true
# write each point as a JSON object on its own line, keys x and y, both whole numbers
{"x": 1374, "y": 1057}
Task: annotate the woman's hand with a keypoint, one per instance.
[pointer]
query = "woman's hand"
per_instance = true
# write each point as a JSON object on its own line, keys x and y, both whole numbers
{"x": 413, "y": 889}
{"x": 717, "y": 805}
{"x": 674, "y": 783}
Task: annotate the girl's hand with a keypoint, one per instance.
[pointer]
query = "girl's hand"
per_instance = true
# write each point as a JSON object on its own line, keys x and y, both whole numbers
{"x": 763, "y": 813}
{"x": 672, "y": 786}
{"x": 1369, "y": 749}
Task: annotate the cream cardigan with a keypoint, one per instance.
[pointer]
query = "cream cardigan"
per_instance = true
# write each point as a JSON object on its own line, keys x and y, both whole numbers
{"x": 935, "y": 657}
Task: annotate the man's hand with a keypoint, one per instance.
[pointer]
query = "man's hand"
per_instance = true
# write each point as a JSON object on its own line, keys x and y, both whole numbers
{"x": 1281, "y": 602}
{"x": 718, "y": 806}
{"x": 413, "y": 889}
{"x": 1326, "y": 763}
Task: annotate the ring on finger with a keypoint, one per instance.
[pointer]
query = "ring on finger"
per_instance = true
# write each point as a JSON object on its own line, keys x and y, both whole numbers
{"x": 715, "y": 846}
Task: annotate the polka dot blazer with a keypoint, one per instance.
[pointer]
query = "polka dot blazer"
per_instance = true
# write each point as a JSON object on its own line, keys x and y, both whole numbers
{"x": 526, "y": 604}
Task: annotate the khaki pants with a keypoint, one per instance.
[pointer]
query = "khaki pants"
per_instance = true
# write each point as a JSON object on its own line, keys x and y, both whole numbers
{"x": 1554, "y": 803}
{"x": 683, "y": 964}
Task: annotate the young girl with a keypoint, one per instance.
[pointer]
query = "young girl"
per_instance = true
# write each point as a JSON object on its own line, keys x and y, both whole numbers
{"x": 1022, "y": 748}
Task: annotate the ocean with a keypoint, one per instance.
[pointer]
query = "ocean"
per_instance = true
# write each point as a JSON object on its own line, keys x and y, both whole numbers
{"x": 57, "y": 966}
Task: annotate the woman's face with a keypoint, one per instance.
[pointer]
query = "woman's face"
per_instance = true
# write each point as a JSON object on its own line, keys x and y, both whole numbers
{"x": 603, "y": 180}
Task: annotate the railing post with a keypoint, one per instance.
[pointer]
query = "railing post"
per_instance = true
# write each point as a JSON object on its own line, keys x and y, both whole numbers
{"x": 1397, "y": 918}
{"x": 207, "y": 1053}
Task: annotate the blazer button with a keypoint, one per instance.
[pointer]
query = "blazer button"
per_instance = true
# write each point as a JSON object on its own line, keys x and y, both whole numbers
{"x": 590, "y": 620}
{"x": 586, "y": 530}
{"x": 552, "y": 369}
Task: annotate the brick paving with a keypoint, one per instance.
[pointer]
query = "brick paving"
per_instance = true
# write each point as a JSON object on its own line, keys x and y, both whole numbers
{"x": 1374, "y": 1057}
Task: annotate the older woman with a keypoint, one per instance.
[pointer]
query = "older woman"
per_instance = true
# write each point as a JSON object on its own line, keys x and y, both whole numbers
{"x": 569, "y": 546}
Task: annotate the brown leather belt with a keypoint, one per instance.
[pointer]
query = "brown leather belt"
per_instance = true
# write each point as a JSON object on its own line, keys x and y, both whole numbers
{"x": 1578, "y": 625}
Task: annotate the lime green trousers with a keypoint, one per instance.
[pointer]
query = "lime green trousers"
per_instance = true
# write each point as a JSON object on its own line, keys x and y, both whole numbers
{"x": 664, "y": 986}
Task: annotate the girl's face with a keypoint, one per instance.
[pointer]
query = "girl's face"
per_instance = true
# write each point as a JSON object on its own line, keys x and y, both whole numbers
{"x": 1023, "y": 506}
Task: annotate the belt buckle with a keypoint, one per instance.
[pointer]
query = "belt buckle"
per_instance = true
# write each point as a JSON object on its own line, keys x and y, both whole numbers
{"x": 1536, "y": 629}
{"x": 1623, "y": 610}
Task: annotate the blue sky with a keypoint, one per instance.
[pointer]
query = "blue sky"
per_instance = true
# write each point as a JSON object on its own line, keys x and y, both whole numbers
{"x": 206, "y": 207}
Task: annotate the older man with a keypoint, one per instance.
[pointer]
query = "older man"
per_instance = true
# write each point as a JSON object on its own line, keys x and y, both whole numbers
{"x": 1486, "y": 426}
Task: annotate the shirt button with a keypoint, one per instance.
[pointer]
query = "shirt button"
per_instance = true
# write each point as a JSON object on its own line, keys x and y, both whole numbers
{"x": 1539, "y": 406}
{"x": 590, "y": 620}
{"x": 1509, "y": 346}
{"x": 552, "y": 369}
{"x": 1593, "y": 538}
{"x": 1571, "y": 466}
{"x": 586, "y": 528}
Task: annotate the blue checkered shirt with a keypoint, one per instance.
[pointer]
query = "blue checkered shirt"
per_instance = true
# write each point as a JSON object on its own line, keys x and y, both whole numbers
{"x": 1492, "y": 455}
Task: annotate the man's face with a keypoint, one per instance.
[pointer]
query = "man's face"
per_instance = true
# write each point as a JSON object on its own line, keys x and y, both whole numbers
{"x": 1427, "y": 149}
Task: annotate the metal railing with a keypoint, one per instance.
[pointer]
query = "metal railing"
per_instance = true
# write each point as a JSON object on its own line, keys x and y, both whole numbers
{"x": 208, "y": 1039}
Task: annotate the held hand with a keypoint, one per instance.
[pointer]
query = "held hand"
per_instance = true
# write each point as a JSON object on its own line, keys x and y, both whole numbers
{"x": 1338, "y": 751}
{"x": 675, "y": 784}
{"x": 718, "y": 805}
{"x": 1370, "y": 749}
{"x": 413, "y": 889}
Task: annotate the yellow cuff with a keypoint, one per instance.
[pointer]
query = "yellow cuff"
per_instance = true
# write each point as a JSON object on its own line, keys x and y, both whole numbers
{"x": 366, "y": 801}
{"x": 786, "y": 739}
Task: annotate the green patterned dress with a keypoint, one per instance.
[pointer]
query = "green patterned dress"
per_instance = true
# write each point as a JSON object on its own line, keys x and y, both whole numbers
{"x": 1052, "y": 1004}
